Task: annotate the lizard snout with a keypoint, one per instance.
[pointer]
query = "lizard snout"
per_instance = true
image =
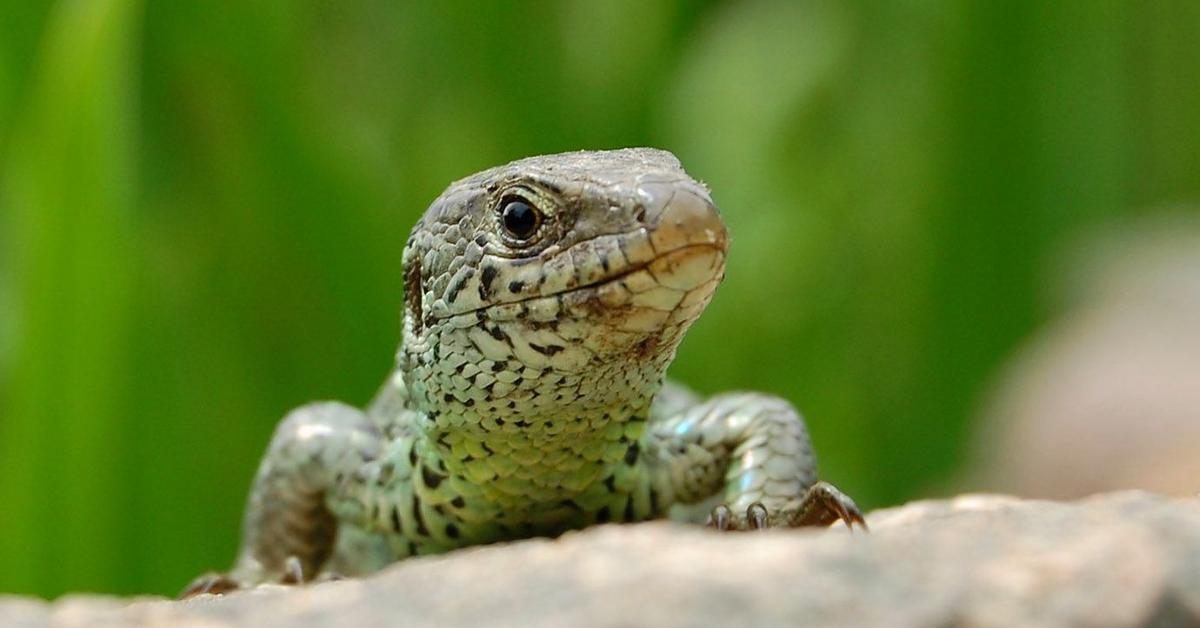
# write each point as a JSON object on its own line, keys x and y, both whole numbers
{"x": 686, "y": 232}
{"x": 680, "y": 213}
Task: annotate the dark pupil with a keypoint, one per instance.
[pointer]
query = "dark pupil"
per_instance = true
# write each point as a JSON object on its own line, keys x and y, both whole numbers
{"x": 520, "y": 219}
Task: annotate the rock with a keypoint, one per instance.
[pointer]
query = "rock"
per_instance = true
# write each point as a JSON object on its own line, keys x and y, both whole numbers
{"x": 1120, "y": 559}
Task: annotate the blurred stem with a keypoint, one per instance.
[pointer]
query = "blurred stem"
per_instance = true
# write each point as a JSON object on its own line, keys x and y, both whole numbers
{"x": 67, "y": 193}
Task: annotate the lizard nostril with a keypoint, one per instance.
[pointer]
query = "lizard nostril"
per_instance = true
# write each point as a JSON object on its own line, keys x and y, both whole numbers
{"x": 639, "y": 214}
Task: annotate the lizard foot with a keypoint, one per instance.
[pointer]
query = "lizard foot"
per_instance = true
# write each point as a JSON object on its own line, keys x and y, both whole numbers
{"x": 219, "y": 583}
{"x": 821, "y": 505}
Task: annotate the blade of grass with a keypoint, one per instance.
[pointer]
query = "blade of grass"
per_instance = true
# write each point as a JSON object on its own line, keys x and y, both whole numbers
{"x": 68, "y": 189}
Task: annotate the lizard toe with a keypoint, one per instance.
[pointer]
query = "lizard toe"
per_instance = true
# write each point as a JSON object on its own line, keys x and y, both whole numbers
{"x": 756, "y": 516}
{"x": 720, "y": 518}
{"x": 823, "y": 505}
{"x": 211, "y": 583}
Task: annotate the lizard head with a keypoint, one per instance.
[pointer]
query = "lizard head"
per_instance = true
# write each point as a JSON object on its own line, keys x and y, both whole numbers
{"x": 556, "y": 279}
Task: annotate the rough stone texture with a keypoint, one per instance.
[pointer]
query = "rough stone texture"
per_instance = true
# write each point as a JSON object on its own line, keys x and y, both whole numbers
{"x": 1122, "y": 559}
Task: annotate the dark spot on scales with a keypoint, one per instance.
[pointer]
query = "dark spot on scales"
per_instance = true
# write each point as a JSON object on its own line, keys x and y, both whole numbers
{"x": 516, "y": 286}
{"x": 499, "y": 334}
{"x": 395, "y": 519}
{"x": 458, "y": 502}
{"x": 452, "y": 530}
{"x": 603, "y": 515}
{"x": 452, "y": 294}
{"x": 631, "y": 455}
{"x": 546, "y": 350}
{"x": 485, "y": 282}
{"x": 609, "y": 483}
{"x": 432, "y": 480}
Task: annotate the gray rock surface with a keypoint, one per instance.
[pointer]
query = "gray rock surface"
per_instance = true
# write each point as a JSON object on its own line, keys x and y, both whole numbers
{"x": 1121, "y": 559}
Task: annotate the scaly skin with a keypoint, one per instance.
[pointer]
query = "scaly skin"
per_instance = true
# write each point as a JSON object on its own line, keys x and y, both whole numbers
{"x": 528, "y": 396}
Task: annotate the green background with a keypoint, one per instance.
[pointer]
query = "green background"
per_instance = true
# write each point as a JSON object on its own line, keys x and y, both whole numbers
{"x": 203, "y": 204}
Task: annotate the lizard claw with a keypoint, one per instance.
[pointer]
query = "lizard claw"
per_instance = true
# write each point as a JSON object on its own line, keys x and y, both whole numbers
{"x": 719, "y": 518}
{"x": 756, "y": 516}
{"x": 293, "y": 571}
{"x": 211, "y": 583}
{"x": 822, "y": 505}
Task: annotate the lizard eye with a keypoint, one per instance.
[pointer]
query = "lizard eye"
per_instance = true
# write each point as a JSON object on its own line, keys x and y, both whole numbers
{"x": 519, "y": 217}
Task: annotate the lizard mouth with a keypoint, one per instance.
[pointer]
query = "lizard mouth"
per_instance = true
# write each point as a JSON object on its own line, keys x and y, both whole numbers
{"x": 661, "y": 285}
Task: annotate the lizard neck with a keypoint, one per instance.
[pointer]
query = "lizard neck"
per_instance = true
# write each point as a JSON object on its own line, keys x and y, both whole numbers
{"x": 527, "y": 431}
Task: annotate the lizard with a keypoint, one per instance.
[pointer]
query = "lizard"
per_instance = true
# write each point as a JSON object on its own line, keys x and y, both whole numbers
{"x": 543, "y": 301}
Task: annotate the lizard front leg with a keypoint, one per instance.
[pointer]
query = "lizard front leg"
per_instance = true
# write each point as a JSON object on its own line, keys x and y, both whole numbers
{"x": 754, "y": 451}
{"x": 288, "y": 531}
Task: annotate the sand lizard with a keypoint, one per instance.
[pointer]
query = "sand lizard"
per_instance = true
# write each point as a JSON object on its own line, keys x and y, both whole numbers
{"x": 543, "y": 301}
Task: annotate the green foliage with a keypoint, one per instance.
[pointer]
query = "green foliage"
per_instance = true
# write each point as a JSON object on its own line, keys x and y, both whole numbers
{"x": 203, "y": 206}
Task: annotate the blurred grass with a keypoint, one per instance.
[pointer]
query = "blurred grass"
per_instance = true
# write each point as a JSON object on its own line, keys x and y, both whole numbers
{"x": 203, "y": 206}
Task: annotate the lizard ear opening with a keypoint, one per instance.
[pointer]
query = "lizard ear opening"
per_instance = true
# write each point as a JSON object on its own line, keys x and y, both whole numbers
{"x": 412, "y": 291}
